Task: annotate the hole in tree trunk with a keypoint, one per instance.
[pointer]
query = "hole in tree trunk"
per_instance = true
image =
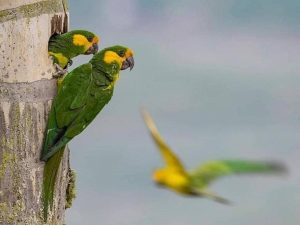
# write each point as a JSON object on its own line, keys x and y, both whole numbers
{"x": 59, "y": 24}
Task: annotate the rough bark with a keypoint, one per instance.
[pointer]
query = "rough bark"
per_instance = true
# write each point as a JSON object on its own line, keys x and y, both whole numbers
{"x": 26, "y": 93}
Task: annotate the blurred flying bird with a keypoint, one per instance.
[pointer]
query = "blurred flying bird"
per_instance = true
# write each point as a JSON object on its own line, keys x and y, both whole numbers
{"x": 175, "y": 177}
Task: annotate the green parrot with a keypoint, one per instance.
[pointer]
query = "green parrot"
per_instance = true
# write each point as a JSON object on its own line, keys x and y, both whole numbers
{"x": 196, "y": 182}
{"x": 82, "y": 95}
{"x": 63, "y": 47}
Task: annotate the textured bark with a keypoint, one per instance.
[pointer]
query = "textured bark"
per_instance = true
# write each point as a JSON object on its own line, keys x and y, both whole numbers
{"x": 26, "y": 93}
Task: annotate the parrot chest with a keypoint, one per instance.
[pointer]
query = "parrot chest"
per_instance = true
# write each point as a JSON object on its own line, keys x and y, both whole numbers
{"x": 60, "y": 59}
{"x": 177, "y": 182}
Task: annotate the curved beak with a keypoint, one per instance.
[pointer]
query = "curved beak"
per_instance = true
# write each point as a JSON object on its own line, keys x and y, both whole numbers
{"x": 128, "y": 63}
{"x": 92, "y": 50}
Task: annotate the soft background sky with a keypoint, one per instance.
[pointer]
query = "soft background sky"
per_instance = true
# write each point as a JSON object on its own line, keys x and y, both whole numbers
{"x": 221, "y": 79}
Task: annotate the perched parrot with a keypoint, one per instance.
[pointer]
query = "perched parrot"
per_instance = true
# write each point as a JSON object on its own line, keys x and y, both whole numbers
{"x": 83, "y": 94}
{"x": 63, "y": 47}
{"x": 196, "y": 182}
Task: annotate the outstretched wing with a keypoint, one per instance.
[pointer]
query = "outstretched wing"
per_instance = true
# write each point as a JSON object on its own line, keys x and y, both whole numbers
{"x": 212, "y": 170}
{"x": 67, "y": 105}
{"x": 169, "y": 157}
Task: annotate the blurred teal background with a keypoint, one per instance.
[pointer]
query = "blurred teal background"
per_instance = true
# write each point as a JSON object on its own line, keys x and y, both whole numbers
{"x": 221, "y": 79}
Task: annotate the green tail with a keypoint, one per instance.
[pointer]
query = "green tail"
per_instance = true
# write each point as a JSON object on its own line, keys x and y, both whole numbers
{"x": 50, "y": 173}
{"x": 212, "y": 170}
{"x": 244, "y": 166}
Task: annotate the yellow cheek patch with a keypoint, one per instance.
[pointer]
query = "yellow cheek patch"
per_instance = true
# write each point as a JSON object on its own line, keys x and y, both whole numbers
{"x": 111, "y": 56}
{"x": 62, "y": 60}
{"x": 80, "y": 40}
{"x": 158, "y": 176}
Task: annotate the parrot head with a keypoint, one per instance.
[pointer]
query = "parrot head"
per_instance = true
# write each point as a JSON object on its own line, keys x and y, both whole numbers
{"x": 159, "y": 176}
{"x": 171, "y": 178}
{"x": 120, "y": 55}
{"x": 111, "y": 60}
{"x": 88, "y": 41}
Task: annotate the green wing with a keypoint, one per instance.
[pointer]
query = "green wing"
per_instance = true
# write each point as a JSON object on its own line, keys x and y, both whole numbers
{"x": 67, "y": 106}
{"x": 212, "y": 170}
{"x": 73, "y": 95}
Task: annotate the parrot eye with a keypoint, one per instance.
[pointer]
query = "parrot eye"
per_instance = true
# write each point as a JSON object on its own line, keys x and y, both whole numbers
{"x": 121, "y": 53}
{"x": 90, "y": 39}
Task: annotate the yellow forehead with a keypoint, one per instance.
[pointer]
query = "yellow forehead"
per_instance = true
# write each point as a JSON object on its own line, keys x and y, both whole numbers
{"x": 95, "y": 40}
{"x": 158, "y": 176}
{"x": 129, "y": 53}
{"x": 111, "y": 56}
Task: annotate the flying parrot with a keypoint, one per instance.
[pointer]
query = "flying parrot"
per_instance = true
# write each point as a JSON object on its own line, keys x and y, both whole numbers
{"x": 82, "y": 95}
{"x": 175, "y": 177}
{"x": 63, "y": 47}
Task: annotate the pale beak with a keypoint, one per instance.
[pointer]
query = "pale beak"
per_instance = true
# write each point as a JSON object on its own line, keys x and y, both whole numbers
{"x": 92, "y": 50}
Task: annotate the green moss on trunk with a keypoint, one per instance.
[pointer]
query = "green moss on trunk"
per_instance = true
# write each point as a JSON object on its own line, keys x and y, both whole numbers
{"x": 32, "y": 10}
{"x": 71, "y": 189}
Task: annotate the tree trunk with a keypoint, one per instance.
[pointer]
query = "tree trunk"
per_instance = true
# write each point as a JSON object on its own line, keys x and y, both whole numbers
{"x": 26, "y": 93}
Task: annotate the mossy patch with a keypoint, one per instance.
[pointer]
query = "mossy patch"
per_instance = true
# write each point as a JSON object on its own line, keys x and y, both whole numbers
{"x": 71, "y": 189}
{"x": 31, "y": 10}
{"x": 9, "y": 212}
{"x": 7, "y": 159}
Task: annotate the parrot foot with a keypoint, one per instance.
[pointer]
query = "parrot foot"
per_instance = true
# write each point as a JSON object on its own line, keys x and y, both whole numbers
{"x": 60, "y": 72}
{"x": 70, "y": 63}
{"x": 213, "y": 196}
